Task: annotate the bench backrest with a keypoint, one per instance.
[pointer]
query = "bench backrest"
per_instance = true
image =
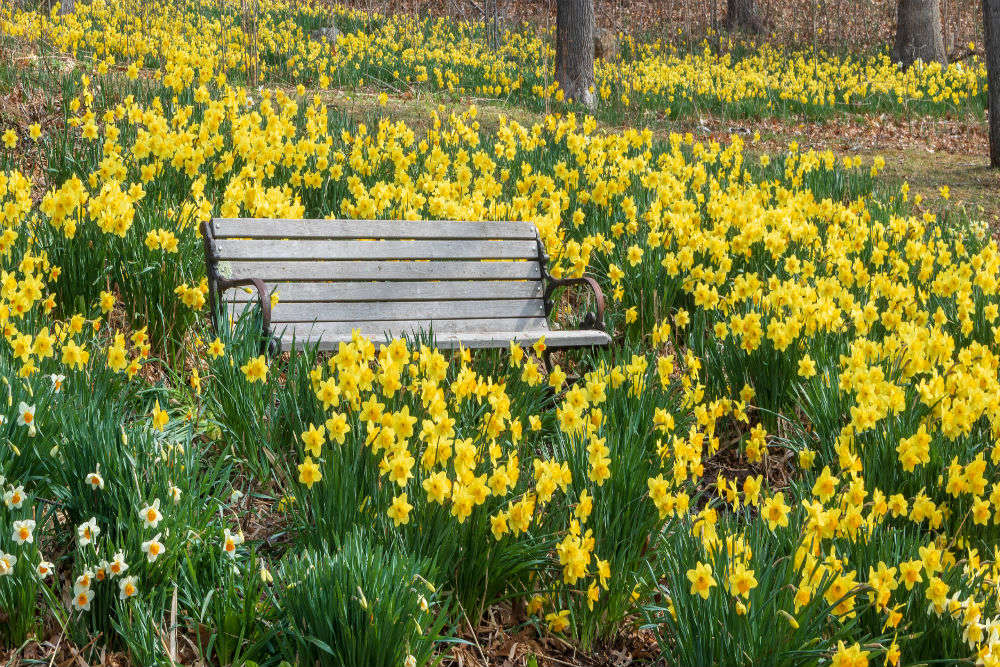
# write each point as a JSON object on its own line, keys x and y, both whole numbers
{"x": 381, "y": 277}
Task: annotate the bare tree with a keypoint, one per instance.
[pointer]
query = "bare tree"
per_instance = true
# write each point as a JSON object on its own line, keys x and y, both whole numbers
{"x": 991, "y": 27}
{"x": 575, "y": 49}
{"x": 744, "y": 16}
{"x": 918, "y": 32}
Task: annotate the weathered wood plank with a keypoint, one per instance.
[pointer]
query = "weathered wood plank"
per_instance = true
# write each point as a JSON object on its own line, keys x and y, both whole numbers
{"x": 379, "y": 270}
{"x": 401, "y": 310}
{"x": 471, "y": 340}
{"x": 262, "y": 228}
{"x": 370, "y": 292}
{"x": 311, "y": 250}
{"x": 379, "y": 328}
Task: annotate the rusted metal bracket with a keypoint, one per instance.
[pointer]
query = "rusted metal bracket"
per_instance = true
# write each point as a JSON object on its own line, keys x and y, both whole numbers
{"x": 592, "y": 320}
{"x": 218, "y": 285}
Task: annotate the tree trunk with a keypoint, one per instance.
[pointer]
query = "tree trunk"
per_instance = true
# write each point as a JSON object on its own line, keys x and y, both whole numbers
{"x": 991, "y": 26}
{"x": 918, "y": 32}
{"x": 67, "y": 6}
{"x": 575, "y": 49}
{"x": 744, "y": 16}
{"x": 947, "y": 32}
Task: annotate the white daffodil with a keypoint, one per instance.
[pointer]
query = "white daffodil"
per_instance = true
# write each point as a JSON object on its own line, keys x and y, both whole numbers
{"x": 44, "y": 569}
{"x": 117, "y": 566}
{"x": 127, "y": 587}
{"x": 24, "y": 531}
{"x": 94, "y": 479}
{"x": 153, "y": 548}
{"x": 14, "y": 498}
{"x": 7, "y": 562}
{"x": 25, "y": 414}
{"x": 88, "y": 531}
{"x": 150, "y": 514}
{"x": 230, "y": 542}
{"x": 81, "y": 601}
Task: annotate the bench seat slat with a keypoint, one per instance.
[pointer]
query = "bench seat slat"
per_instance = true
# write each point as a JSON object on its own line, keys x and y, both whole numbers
{"x": 370, "y": 292}
{"x": 378, "y": 270}
{"x": 305, "y": 251}
{"x": 472, "y": 340}
{"x": 403, "y": 310}
{"x": 383, "y": 229}
{"x": 379, "y": 328}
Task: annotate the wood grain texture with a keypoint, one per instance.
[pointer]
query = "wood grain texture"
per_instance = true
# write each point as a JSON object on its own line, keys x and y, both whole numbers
{"x": 261, "y": 228}
{"x": 471, "y": 340}
{"x": 400, "y": 310}
{"x": 409, "y": 327}
{"x": 367, "y": 292}
{"x": 323, "y": 250}
{"x": 381, "y": 270}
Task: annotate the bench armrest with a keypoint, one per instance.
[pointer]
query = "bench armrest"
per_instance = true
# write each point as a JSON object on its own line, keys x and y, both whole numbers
{"x": 263, "y": 299}
{"x": 217, "y": 285}
{"x": 593, "y": 320}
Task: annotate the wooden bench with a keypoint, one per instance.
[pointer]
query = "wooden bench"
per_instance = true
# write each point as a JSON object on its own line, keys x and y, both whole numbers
{"x": 471, "y": 284}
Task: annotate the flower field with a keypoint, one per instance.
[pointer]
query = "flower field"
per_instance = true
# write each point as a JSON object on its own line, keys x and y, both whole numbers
{"x": 788, "y": 456}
